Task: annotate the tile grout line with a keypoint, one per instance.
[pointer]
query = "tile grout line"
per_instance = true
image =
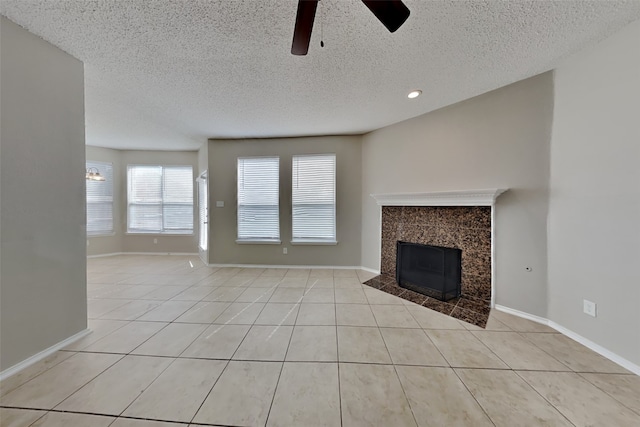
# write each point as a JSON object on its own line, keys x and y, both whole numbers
{"x": 395, "y": 370}
{"x": 544, "y": 398}
{"x": 455, "y": 372}
{"x": 275, "y": 390}
{"x": 335, "y": 310}
{"x": 581, "y": 374}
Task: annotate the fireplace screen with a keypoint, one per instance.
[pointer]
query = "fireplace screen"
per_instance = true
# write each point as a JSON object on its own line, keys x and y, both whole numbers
{"x": 434, "y": 271}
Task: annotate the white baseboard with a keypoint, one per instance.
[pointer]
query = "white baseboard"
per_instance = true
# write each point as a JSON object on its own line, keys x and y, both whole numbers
{"x": 597, "y": 348}
{"x": 522, "y": 314}
{"x": 163, "y": 253}
{"x": 370, "y": 270}
{"x": 619, "y": 360}
{"x": 333, "y": 267}
{"x": 145, "y": 253}
{"x": 105, "y": 255}
{"x": 41, "y": 355}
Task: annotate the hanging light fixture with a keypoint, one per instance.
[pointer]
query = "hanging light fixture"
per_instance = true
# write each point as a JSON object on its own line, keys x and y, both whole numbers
{"x": 94, "y": 175}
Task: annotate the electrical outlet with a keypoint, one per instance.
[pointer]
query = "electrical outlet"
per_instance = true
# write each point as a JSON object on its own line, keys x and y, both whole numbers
{"x": 589, "y": 308}
{"x": 284, "y": 251}
{"x": 155, "y": 241}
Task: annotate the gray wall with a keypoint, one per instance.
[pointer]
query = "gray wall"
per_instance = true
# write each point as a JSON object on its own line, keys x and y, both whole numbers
{"x": 223, "y": 156}
{"x": 121, "y": 241}
{"x": 42, "y": 191}
{"x": 594, "y": 214}
{"x": 496, "y": 140}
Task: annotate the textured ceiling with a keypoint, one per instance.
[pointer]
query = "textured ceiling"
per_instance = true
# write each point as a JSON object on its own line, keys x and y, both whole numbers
{"x": 168, "y": 74}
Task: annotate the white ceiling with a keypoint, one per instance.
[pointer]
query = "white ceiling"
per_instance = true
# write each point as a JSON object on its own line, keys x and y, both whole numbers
{"x": 168, "y": 74}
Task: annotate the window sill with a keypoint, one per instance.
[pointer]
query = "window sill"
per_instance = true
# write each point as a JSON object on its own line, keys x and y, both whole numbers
{"x": 314, "y": 242}
{"x": 129, "y": 233}
{"x": 101, "y": 235}
{"x": 258, "y": 242}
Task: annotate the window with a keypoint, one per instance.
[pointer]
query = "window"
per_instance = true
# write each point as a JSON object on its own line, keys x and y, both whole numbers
{"x": 100, "y": 201}
{"x": 313, "y": 195}
{"x": 203, "y": 207}
{"x": 258, "y": 199}
{"x": 160, "y": 199}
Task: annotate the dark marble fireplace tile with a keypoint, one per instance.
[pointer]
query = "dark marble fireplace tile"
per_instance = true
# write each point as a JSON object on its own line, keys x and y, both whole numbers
{"x": 392, "y": 216}
{"x": 476, "y": 263}
{"x": 393, "y": 290}
{"x": 375, "y": 283}
{"x": 474, "y": 239}
{"x": 389, "y": 279}
{"x": 419, "y": 215}
{"x": 470, "y": 316}
{"x": 478, "y": 306}
{"x": 478, "y": 287}
{"x": 439, "y": 306}
{"x": 414, "y": 297}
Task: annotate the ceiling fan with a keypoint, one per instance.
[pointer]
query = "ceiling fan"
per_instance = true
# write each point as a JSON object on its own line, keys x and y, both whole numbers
{"x": 392, "y": 14}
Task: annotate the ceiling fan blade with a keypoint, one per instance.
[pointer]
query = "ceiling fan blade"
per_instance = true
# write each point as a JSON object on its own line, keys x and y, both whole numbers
{"x": 304, "y": 24}
{"x": 392, "y": 13}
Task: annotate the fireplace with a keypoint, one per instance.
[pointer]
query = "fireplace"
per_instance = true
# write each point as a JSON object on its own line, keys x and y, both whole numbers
{"x": 434, "y": 271}
{"x": 450, "y": 219}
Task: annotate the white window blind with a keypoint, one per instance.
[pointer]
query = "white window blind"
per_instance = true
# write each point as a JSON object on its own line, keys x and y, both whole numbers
{"x": 313, "y": 197}
{"x": 160, "y": 199}
{"x": 100, "y": 200}
{"x": 258, "y": 199}
{"x": 202, "y": 212}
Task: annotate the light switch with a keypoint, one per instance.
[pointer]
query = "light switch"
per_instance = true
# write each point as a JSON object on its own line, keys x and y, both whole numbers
{"x": 219, "y": 203}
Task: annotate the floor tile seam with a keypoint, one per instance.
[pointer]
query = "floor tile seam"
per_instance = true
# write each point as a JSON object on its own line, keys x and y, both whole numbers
{"x": 455, "y": 372}
{"x": 544, "y": 351}
{"x": 115, "y": 417}
{"x": 151, "y": 336}
{"x": 275, "y": 390}
{"x": 87, "y": 382}
{"x": 404, "y": 392}
{"x": 435, "y": 346}
{"x": 150, "y": 384}
{"x": 37, "y": 375}
{"x": 581, "y": 374}
{"x": 252, "y": 325}
{"x": 543, "y": 397}
{"x": 335, "y": 313}
{"x": 578, "y": 371}
{"x": 210, "y": 390}
{"x": 489, "y": 348}
{"x": 475, "y": 334}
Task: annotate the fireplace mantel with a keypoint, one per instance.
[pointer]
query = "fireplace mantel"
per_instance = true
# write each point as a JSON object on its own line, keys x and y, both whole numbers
{"x": 485, "y": 197}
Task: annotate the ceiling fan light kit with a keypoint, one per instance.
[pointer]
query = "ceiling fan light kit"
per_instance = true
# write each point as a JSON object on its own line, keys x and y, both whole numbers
{"x": 392, "y": 14}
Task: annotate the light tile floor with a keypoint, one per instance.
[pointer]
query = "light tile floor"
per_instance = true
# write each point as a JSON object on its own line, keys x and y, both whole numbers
{"x": 175, "y": 343}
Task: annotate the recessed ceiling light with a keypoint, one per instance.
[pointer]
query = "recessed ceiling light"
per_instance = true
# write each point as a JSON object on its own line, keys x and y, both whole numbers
{"x": 414, "y": 94}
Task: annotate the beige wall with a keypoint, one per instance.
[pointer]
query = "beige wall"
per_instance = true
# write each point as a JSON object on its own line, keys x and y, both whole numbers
{"x": 223, "y": 156}
{"x": 121, "y": 241}
{"x": 42, "y": 190}
{"x": 594, "y": 214}
{"x": 166, "y": 243}
{"x": 496, "y": 140}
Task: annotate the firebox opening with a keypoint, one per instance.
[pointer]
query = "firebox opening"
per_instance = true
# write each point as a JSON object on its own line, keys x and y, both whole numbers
{"x": 434, "y": 271}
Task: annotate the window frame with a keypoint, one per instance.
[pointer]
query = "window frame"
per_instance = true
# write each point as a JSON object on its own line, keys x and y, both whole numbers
{"x": 257, "y": 240}
{"x": 109, "y": 180}
{"x": 162, "y": 203}
{"x": 313, "y": 240}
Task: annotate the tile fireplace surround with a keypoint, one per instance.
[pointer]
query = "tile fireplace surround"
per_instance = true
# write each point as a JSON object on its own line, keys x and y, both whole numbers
{"x": 460, "y": 220}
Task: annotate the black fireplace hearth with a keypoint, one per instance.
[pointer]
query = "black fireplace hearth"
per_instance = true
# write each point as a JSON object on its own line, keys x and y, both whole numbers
{"x": 434, "y": 271}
